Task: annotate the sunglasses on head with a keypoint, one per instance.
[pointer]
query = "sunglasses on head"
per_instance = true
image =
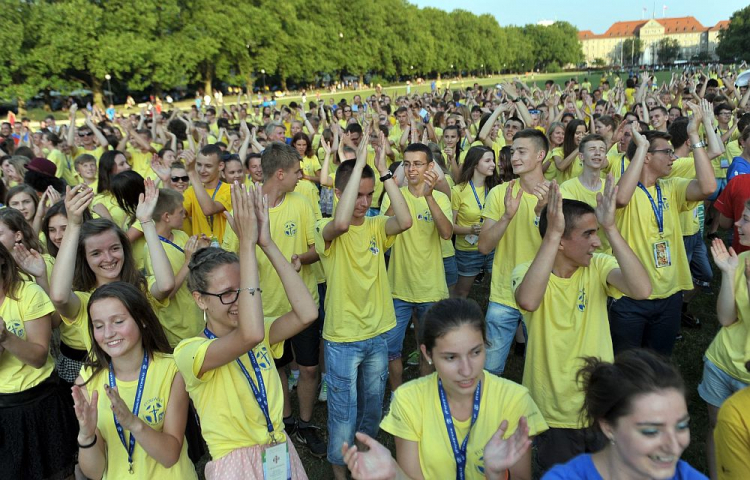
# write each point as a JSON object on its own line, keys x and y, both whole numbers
{"x": 181, "y": 179}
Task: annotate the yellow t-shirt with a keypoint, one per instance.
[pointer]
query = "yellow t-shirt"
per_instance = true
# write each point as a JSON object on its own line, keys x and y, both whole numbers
{"x": 446, "y": 246}
{"x": 96, "y": 152}
{"x": 570, "y": 323}
{"x": 358, "y": 301}
{"x": 310, "y": 191}
{"x": 230, "y": 415}
{"x": 416, "y": 415}
{"x": 469, "y": 211}
{"x": 519, "y": 243}
{"x": 311, "y": 166}
{"x": 157, "y": 389}
{"x": 140, "y": 249}
{"x": 732, "y": 437}
{"x": 64, "y": 167}
{"x": 637, "y": 223}
{"x": 119, "y": 216}
{"x": 416, "y": 271}
{"x": 727, "y": 350}
{"x": 292, "y": 225}
{"x": 181, "y": 318}
{"x": 15, "y": 375}
{"x": 573, "y": 189}
{"x": 140, "y": 161}
{"x": 733, "y": 150}
{"x": 215, "y": 225}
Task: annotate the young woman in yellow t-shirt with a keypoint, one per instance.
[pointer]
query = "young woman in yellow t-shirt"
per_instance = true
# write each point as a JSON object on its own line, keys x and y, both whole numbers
{"x": 105, "y": 205}
{"x": 556, "y": 136}
{"x": 460, "y": 422}
{"x": 131, "y": 373}
{"x": 478, "y": 176}
{"x": 36, "y": 423}
{"x": 229, "y": 370}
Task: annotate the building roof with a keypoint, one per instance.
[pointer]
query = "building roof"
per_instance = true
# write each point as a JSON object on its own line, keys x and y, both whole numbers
{"x": 671, "y": 26}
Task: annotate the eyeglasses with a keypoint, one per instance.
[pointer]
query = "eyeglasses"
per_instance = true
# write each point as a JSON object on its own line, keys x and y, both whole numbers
{"x": 408, "y": 165}
{"x": 668, "y": 151}
{"x": 347, "y": 111}
{"x": 181, "y": 179}
{"x": 230, "y": 296}
{"x": 85, "y": 134}
{"x": 725, "y": 113}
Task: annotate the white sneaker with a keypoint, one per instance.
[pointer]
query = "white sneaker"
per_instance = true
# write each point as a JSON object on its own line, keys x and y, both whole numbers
{"x": 323, "y": 396}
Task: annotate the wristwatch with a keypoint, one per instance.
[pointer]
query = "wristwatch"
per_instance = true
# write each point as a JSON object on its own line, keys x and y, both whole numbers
{"x": 701, "y": 144}
{"x": 386, "y": 176}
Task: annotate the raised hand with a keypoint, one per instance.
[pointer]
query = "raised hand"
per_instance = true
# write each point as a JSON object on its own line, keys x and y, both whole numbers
{"x": 640, "y": 140}
{"x": 555, "y": 217}
{"x": 512, "y": 203}
{"x": 501, "y": 454}
{"x": 189, "y": 157}
{"x": 147, "y": 202}
{"x": 161, "y": 170}
{"x": 121, "y": 410}
{"x": 86, "y": 412}
{"x": 374, "y": 464}
{"x": 77, "y": 200}
{"x": 725, "y": 260}
{"x": 541, "y": 191}
{"x": 380, "y": 163}
{"x": 243, "y": 208}
{"x": 30, "y": 261}
{"x": 606, "y": 204}
{"x": 263, "y": 218}
{"x": 428, "y": 184}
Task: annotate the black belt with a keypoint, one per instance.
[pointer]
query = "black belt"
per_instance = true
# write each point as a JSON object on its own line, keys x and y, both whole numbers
{"x": 73, "y": 353}
{"x": 32, "y": 395}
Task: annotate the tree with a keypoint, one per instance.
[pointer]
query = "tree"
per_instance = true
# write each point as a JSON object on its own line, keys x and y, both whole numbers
{"x": 632, "y": 48}
{"x": 599, "y": 62}
{"x": 734, "y": 41}
{"x": 667, "y": 50}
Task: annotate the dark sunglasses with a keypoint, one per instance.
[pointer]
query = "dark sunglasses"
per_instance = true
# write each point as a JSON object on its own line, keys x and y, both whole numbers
{"x": 85, "y": 134}
{"x": 181, "y": 179}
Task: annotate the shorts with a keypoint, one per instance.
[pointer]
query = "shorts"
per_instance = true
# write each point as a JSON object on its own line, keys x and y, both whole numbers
{"x": 395, "y": 336}
{"x": 306, "y": 344}
{"x": 697, "y": 255}
{"x": 471, "y": 262}
{"x": 451, "y": 270}
{"x": 247, "y": 462}
{"x": 717, "y": 385}
{"x": 502, "y": 322}
{"x": 287, "y": 357}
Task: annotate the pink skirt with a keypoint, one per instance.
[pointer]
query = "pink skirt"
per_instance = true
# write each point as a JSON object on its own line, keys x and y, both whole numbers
{"x": 245, "y": 463}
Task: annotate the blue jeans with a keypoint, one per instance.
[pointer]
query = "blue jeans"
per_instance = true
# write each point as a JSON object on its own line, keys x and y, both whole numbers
{"x": 395, "y": 336}
{"x": 356, "y": 376}
{"x": 697, "y": 256}
{"x": 502, "y": 322}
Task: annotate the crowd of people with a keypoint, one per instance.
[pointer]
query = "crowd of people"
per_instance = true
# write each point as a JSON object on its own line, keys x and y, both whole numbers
{"x": 170, "y": 279}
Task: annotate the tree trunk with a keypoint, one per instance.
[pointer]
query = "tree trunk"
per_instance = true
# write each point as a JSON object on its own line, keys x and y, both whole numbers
{"x": 207, "y": 85}
{"x": 96, "y": 87}
{"x": 361, "y": 80}
{"x": 21, "y": 107}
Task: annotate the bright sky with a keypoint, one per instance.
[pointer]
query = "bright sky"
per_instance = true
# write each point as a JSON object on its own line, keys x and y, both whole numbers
{"x": 597, "y": 16}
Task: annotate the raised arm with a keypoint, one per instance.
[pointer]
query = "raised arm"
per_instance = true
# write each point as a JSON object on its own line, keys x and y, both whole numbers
{"x": 77, "y": 200}
{"x": 163, "y": 273}
{"x": 72, "y": 126}
{"x": 629, "y": 180}
{"x": 493, "y": 231}
{"x": 727, "y": 262}
{"x": 705, "y": 183}
{"x": 97, "y": 133}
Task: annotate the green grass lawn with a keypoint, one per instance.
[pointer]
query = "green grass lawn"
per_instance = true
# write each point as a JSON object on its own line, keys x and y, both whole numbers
{"x": 688, "y": 356}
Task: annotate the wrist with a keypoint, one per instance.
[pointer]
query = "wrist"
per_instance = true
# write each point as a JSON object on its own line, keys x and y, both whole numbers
{"x": 85, "y": 441}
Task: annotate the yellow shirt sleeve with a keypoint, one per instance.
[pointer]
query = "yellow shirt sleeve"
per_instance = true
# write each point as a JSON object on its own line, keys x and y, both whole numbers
{"x": 732, "y": 437}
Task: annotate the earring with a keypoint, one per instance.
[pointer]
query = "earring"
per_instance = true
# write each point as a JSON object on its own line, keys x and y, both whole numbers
{"x": 611, "y": 440}
{"x": 204, "y": 317}
{"x": 429, "y": 362}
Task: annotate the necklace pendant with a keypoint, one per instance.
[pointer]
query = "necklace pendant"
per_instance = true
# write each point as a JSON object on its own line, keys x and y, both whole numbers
{"x": 130, "y": 469}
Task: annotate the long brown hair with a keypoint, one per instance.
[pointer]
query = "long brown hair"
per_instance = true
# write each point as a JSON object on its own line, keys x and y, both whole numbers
{"x": 13, "y": 219}
{"x": 84, "y": 279}
{"x": 473, "y": 156}
{"x": 9, "y": 273}
{"x": 135, "y": 302}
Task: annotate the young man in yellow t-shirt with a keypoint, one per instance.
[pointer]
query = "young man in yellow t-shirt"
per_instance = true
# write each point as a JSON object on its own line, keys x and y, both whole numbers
{"x": 511, "y": 217}
{"x": 649, "y": 219}
{"x": 563, "y": 294}
{"x": 208, "y": 197}
{"x": 416, "y": 271}
{"x": 358, "y": 305}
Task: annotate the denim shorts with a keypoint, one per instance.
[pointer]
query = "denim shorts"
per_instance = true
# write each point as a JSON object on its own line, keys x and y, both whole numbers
{"x": 451, "y": 270}
{"x": 697, "y": 255}
{"x": 395, "y": 336}
{"x": 470, "y": 263}
{"x": 356, "y": 376}
{"x": 502, "y": 322}
{"x": 717, "y": 385}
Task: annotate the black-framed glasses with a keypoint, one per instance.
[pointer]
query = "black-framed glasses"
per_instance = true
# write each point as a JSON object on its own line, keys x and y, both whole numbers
{"x": 668, "y": 151}
{"x": 226, "y": 298}
{"x": 85, "y": 134}
{"x": 181, "y": 179}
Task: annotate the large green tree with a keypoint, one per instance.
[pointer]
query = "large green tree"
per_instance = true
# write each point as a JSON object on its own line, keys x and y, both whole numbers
{"x": 631, "y": 49}
{"x": 667, "y": 50}
{"x": 734, "y": 42}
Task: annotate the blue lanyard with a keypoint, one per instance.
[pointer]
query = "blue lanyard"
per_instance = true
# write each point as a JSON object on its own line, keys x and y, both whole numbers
{"x": 459, "y": 452}
{"x": 622, "y": 165}
{"x": 166, "y": 240}
{"x": 259, "y": 391}
{"x": 211, "y": 217}
{"x": 479, "y": 204}
{"x": 658, "y": 212}
{"x": 136, "y": 407}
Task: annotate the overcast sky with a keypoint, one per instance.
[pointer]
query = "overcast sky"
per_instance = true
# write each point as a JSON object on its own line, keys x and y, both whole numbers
{"x": 596, "y": 15}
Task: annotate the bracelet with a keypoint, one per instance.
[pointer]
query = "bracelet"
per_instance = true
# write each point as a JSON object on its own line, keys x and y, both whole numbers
{"x": 252, "y": 291}
{"x": 701, "y": 144}
{"x": 147, "y": 221}
{"x": 89, "y": 445}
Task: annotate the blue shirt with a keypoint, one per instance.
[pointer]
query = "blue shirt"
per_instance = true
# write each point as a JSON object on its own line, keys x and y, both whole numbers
{"x": 582, "y": 468}
{"x": 739, "y": 166}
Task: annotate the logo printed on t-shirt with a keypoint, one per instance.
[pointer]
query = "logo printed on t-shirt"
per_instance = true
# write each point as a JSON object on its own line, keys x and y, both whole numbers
{"x": 374, "y": 246}
{"x": 425, "y": 216}
{"x": 153, "y": 411}
{"x": 290, "y": 229}
{"x": 263, "y": 358}
{"x": 582, "y": 300}
{"x": 16, "y": 326}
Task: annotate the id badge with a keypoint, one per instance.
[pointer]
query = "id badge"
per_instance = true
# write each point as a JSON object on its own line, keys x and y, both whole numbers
{"x": 276, "y": 462}
{"x": 724, "y": 163}
{"x": 471, "y": 239}
{"x": 662, "y": 255}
